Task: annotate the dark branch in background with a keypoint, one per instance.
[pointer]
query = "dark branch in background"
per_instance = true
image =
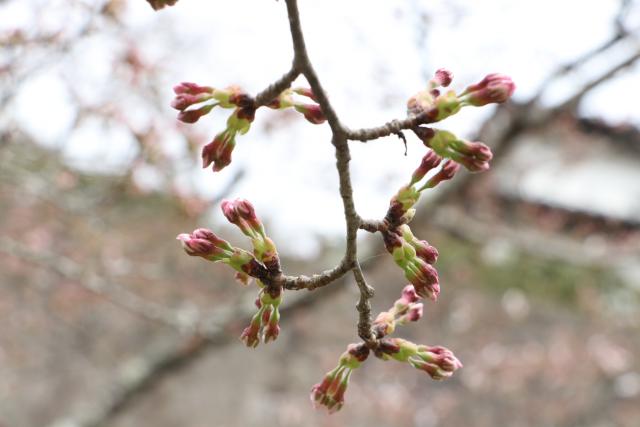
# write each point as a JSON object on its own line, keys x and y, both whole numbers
{"x": 142, "y": 373}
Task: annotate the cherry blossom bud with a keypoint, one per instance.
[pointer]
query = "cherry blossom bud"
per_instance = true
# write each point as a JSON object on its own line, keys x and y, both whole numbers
{"x": 429, "y": 161}
{"x": 438, "y": 362}
{"x": 415, "y": 312}
{"x": 305, "y": 91}
{"x": 273, "y": 328}
{"x": 423, "y": 277}
{"x": 219, "y": 150}
{"x": 204, "y": 243}
{"x": 241, "y": 213}
{"x": 188, "y": 94}
{"x": 192, "y": 116}
{"x": 250, "y": 334}
{"x": 423, "y": 249}
{"x": 443, "y": 77}
{"x": 331, "y": 390}
{"x": 447, "y": 172}
{"x": 494, "y": 88}
{"x": 265, "y": 323}
{"x": 312, "y": 112}
{"x": 159, "y": 4}
{"x": 409, "y": 295}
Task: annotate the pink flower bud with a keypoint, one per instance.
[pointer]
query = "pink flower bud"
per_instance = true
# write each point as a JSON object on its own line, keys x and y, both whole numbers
{"x": 494, "y": 88}
{"x": 415, "y": 312}
{"x": 219, "y": 150}
{"x": 409, "y": 295}
{"x": 424, "y": 278}
{"x": 265, "y": 322}
{"x": 191, "y": 89}
{"x": 429, "y": 161}
{"x": 447, "y": 172}
{"x": 312, "y": 113}
{"x": 331, "y": 390}
{"x": 192, "y": 116}
{"x": 205, "y": 244}
{"x": 443, "y": 77}
{"x": 438, "y": 362}
{"x": 250, "y": 335}
{"x": 425, "y": 251}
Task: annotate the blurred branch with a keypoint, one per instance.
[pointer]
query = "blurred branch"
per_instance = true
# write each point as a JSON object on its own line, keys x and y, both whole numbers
{"x": 140, "y": 374}
{"x": 98, "y": 285}
{"x": 607, "y": 75}
{"x": 530, "y": 241}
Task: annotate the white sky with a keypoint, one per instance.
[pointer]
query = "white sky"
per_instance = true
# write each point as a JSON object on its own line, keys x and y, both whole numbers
{"x": 371, "y": 56}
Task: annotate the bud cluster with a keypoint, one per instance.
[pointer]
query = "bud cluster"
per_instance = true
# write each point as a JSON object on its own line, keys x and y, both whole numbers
{"x": 311, "y": 111}
{"x": 406, "y": 309}
{"x": 204, "y": 243}
{"x": 438, "y": 362}
{"x": 437, "y": 106}
{"x": 265, "y": 323}
{"x": 194, "y": 101}
{"x": 415, "y": 257}
{"x": 241, "y": 213}
{"x": 401, "y": 205}
{"x": 330, "y": 392}
{"x": 474, "y": 156}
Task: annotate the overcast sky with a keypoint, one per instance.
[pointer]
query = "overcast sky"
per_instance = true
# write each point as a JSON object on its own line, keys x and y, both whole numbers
{"x": 371, "y": 56}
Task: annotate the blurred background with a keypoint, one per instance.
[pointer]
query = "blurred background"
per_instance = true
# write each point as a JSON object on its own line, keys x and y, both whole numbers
{"x": 105, "y": 321}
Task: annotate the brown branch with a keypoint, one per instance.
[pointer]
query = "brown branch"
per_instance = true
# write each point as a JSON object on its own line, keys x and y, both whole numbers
{"x": 343, "y": 157}
{"x": 275, "y": 88}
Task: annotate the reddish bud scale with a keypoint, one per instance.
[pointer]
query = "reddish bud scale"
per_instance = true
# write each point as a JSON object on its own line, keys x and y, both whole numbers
{"x": 159, "y": 4}
{"x": 255, "y": 269}
{"x": 392, "y": 240}
{"x": 424, "y": 133}
{"x": 415, "y": 312}
{"x": 395, "y": 213}
{"x": 246, "y": 113}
